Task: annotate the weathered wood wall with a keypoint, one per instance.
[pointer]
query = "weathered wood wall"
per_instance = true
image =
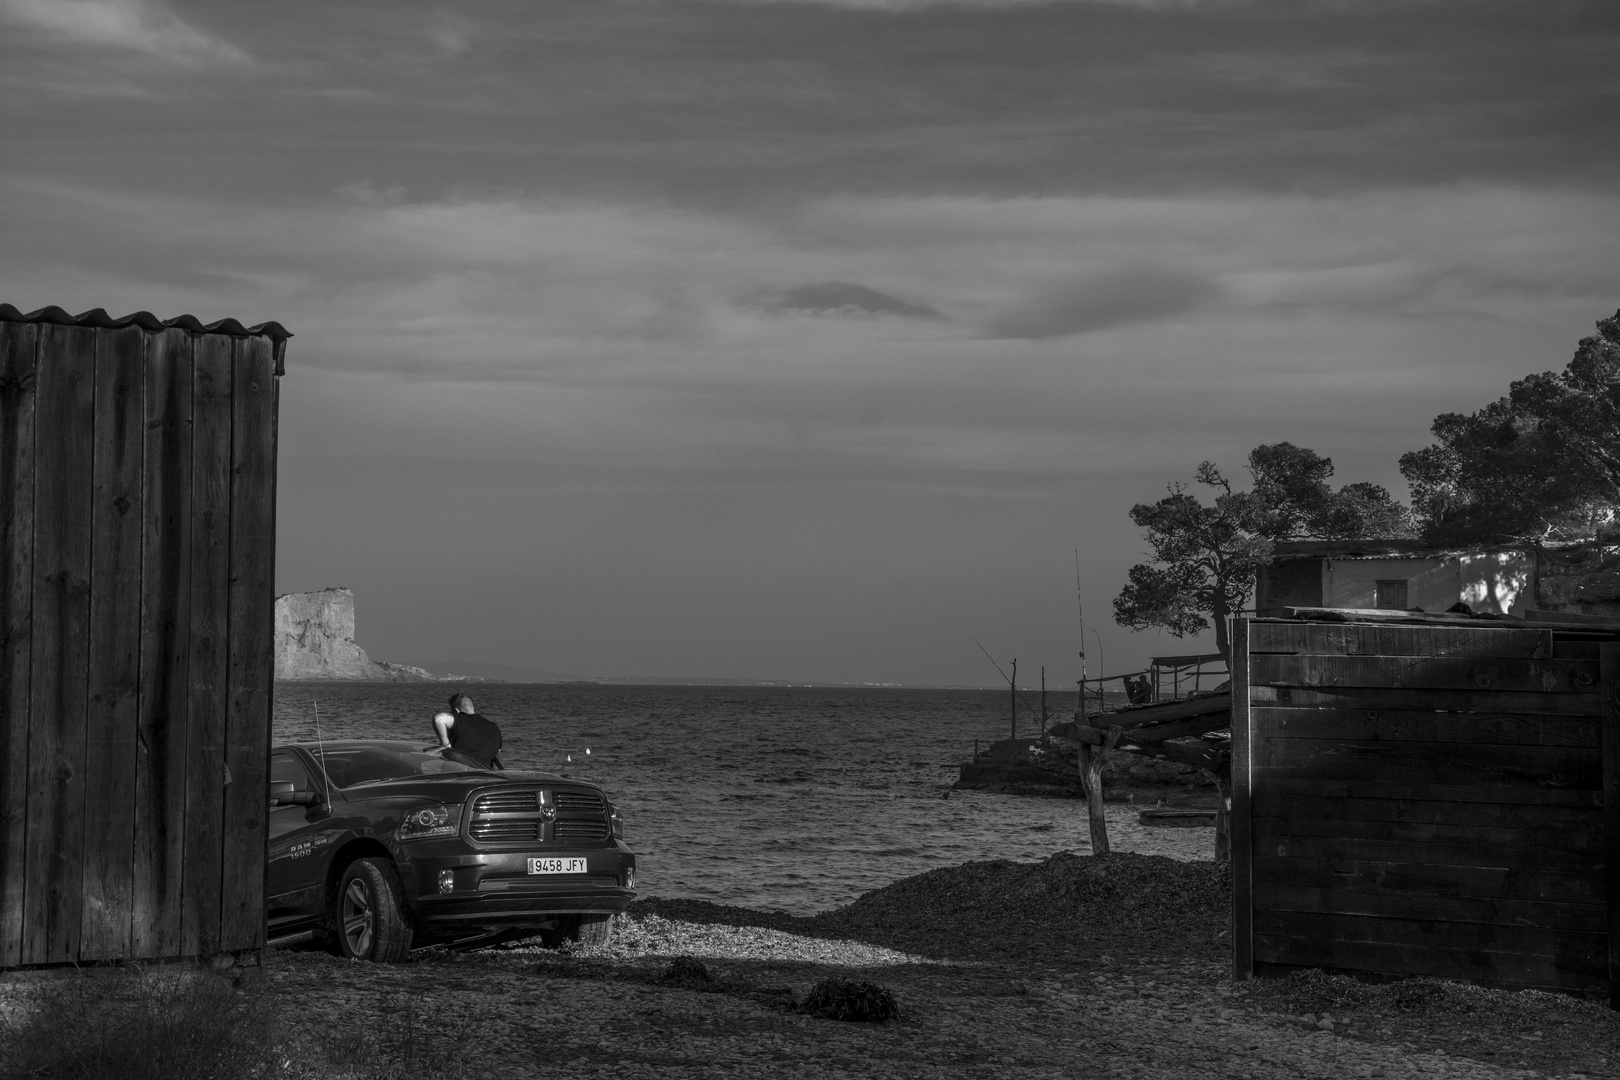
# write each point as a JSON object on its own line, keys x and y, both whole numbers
{"x": 137, "y": 553}
{"x": 1427, "y": 800}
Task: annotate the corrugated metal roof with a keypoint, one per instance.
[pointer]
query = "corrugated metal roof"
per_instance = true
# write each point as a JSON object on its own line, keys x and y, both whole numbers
{"x": 98, "y": 317}
{"x": 146, "y": 321}
{"x": 1376, "y": 549}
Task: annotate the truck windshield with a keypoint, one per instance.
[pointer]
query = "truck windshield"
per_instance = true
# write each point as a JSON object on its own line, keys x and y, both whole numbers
{"x": 351, "y": 765}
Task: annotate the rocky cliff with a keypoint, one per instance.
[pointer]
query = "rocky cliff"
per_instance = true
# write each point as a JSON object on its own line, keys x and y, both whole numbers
{"x": 315, "y": 640}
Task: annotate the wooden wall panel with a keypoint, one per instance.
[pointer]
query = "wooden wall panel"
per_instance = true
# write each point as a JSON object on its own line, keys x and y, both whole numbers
{"x": 137, "y": 533}
{"x": 64, "y": 415}
{"x": 212, "y": 380}
{"x": 1400, "y": 725}
{"x": 115, "y": 644}
{"x": 161, "y": 754}
{"x": 1411, "y": 762}
{"x": 18, "y": 342}
{"x": 1429, "y": 673}
{"x": 1411, "y": 641}
{"x": 1438, "y": 801}
{"x": 252, "y": 626}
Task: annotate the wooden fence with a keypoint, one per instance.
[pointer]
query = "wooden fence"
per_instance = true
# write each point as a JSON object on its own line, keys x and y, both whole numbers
{"x": 1428, "y": 800}
{"x": 137, "y": 556}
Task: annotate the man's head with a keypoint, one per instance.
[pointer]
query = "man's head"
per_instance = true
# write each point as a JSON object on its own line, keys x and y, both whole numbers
{"x": 461, "y": 703}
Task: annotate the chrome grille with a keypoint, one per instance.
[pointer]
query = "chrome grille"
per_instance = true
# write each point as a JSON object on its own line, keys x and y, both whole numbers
{"x": 513, "y": 829}
{"x": 576, "y": 831}
{"x": 575, "y": 802}
{"x": 507, "y": 802}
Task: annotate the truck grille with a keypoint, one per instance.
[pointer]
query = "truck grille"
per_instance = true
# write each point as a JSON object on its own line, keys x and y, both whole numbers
{"x": 497, "y": 831}
{"x": 518, "y": 817}
{"x": 588, "y": 802}
{"x": 508, "y": 802}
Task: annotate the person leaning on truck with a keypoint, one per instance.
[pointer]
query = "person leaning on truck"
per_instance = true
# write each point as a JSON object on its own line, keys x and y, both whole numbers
{"x": 463, "y": 730}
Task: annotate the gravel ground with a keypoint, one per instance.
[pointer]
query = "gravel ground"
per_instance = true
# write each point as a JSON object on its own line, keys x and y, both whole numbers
{"x": 1113, "y": 967}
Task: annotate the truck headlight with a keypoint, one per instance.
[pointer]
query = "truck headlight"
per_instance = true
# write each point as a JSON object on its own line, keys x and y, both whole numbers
{"x": 616, "y": 821}
{"x": 426, "y": 822}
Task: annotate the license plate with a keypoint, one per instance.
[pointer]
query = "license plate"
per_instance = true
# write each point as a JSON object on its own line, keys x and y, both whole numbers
{"x": 557, "y": 866}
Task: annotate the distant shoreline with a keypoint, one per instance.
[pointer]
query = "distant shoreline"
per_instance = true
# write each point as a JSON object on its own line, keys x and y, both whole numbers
{"x": 650, "y": 682}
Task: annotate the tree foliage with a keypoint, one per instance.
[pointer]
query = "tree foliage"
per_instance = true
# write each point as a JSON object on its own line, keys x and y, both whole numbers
{"x": 1542, "y": 463}
{"x": 1205, "y": 555}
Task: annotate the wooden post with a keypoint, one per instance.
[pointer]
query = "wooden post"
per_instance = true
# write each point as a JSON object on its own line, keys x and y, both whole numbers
{"x": 1609, "y": 704}
{"x": 1238, "y": 826}
{"x": 1013, "y": 683}
{"x": 1223, "y": 811}
{"x": 1091, "y": 764}
{"x": 1043, "y": 701}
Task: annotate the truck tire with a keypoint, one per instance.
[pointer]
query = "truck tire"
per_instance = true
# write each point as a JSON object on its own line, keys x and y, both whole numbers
{"x": 368, "y": 913}
{"x": 583, "y": 929}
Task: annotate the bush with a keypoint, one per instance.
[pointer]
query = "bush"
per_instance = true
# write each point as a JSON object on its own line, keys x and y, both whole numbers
{"x": 842, "y": 999}
{"x": 688, "y": 972}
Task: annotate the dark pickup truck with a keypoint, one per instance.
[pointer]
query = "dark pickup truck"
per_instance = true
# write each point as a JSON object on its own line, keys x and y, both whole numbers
{"x": 377, "y": 847}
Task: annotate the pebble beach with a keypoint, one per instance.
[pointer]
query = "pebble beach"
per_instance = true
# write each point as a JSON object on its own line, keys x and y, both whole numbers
{"x": 1072, "y": 967}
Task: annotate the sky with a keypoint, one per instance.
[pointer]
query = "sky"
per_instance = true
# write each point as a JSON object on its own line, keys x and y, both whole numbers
{"x": 812, "y": 339}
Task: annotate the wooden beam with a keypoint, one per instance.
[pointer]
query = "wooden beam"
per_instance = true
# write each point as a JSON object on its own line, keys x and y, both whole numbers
{"x": 1609, "y": 659}
{"x": 161, "y": 757}
{"x": 18, "y": 344}
{"x": 1242, "y": 835}
{"x": 117, "y": 516}
{"x": 209, "y": 628}
{"x": 58, "y": 704}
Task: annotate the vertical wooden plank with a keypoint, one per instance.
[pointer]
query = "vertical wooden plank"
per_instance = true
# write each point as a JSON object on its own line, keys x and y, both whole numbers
{"x": 1609, "y": 661}
{"x": 252, "y": 628}
{"x": 63, "y": 447}
{"x": 210, "y": 614}
{"x": 162, "y": 750}
{"x": 18, "y": 342}
{"x": 115, "y": 644}
{"x": 1242, "y": 830}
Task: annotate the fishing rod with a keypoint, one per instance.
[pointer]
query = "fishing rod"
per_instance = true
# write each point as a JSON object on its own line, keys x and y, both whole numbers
{"x": 1003, "y": 674}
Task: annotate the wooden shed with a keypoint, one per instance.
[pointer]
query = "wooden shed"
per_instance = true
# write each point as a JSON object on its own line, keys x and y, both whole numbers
{"x": 137, "y": 557}
{"x": 1428, "y": 796}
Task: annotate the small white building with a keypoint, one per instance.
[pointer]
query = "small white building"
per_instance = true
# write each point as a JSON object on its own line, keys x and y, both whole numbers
{"x": 1399, "y": 575}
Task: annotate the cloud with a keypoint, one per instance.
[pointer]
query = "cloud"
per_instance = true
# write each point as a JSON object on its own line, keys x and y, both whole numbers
{"x": 1118, "y": 299}
{"x": 841, "y": 298}
{"x": 143, "y": 26}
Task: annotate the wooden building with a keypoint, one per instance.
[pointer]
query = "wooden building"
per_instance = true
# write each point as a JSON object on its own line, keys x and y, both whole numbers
{"x": 137, "y": 557}
{"x": 1428, "y": 796}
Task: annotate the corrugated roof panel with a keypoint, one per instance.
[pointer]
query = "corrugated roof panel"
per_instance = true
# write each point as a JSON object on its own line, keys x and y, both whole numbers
{"x": 98, "y": 317}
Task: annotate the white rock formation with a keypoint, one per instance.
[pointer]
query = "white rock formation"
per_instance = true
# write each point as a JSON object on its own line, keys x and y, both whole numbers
{"x": 315, "y": 640}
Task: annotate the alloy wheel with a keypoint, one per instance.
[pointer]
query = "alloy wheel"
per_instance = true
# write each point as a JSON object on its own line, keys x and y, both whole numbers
{"x": 359, "y": 917}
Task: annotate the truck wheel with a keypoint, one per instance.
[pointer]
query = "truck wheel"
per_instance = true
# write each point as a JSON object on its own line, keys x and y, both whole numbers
{"x": 584, "y": 929}
{"x": 368, "y": 913}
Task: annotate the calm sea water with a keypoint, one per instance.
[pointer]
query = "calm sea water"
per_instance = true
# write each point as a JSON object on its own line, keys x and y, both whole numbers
{"x": 795, "y": 799}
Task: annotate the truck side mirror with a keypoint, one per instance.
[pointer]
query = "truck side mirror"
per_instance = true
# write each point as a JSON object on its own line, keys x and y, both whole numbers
{"x": 286, "y": 793}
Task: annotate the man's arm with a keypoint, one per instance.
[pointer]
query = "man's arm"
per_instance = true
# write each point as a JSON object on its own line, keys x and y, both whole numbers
{"x": 442, "y": 723}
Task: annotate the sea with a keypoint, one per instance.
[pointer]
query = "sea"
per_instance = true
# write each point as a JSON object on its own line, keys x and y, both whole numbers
{"x": 794, "y": 799}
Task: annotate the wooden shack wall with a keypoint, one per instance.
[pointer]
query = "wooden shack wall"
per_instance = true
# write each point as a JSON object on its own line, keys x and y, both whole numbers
{"x": 137, "y": 547}
{"x": 1425, "y": 800}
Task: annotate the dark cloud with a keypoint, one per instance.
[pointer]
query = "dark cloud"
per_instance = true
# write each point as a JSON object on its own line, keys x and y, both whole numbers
{"x": 842, "y": 298}
{"x": 1117, "y": 300}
